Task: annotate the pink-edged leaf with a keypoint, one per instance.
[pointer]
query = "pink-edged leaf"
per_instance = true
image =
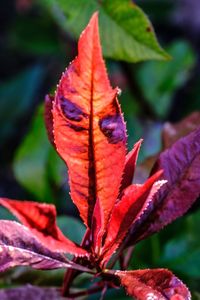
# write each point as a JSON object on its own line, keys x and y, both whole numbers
{"x": 180, "y": 165}
{"x": 156, "y": 284}
{"x": 89, "y": 130}
{"x": 41, "y": 219}
{"x": 128, "y": 210}
{"x": 19, "y": 247}
{"x": 48, "y": 117}
{"x": 29, "y": 292}
{"x": 131, "y": 160}
{"x": 145, "y": 212}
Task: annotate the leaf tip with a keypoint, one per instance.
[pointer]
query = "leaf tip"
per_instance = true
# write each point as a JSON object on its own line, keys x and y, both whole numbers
{"x": 94, "y": 21}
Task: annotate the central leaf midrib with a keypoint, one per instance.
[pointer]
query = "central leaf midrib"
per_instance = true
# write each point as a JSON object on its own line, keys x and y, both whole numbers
{"x": 91, "y": 153}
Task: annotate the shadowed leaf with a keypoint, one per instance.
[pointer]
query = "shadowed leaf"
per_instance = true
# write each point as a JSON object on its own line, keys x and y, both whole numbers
{"x": 180, "y": 165}
{"x": 158, "y": 284}
{"x": 30, "y": 292}
{"x": 19, "y": 247}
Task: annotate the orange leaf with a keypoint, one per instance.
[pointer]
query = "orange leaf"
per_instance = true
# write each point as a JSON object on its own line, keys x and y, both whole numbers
{"x": 89, "y": 131}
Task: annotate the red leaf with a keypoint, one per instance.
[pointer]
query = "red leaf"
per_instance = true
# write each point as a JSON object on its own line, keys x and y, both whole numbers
{"x": 180, "y": 165}
{"x": 19, "y": 247}
{"x": 89, "y": 131}
{"x": 41, "y": 219}
{"x": 128, "y": 210}
{"x": 131, "y": 160}
{"x": 158, "y": 284}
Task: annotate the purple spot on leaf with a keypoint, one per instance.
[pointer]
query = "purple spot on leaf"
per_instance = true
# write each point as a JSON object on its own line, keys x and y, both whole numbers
{"x": 113, "y": 128}
{"x": 71, "y": 111}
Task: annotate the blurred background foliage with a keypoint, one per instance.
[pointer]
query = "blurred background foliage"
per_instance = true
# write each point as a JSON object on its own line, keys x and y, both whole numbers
{"x": 38, "y": 40}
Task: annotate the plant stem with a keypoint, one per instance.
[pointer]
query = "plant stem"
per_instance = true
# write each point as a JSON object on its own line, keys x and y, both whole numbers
{"x": 71, "y": 274}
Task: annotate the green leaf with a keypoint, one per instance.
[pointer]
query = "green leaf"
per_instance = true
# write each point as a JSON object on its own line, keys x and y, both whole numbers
{"x": 71, "y": 227}
{"x": 136, "y": 31}
{"x": 16, "y": 96}
{"x": 126, "y": 32}
{"x": 159, "y": 80}
{"x": 36, "y": 166}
